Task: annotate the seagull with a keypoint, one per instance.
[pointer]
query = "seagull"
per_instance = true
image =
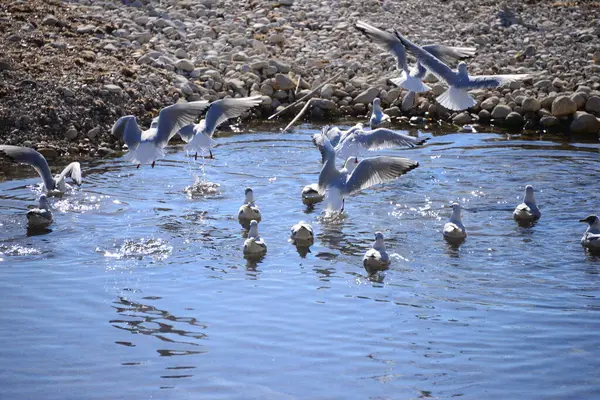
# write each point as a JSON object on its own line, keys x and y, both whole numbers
{"x": 411, "y": 80}
{"x": 356, "y": 142}
{"x": 528, "y": 210}
{"x": 254, "y": 245}
{"x": 335, "y": 134}
{"x": 459, "y": 81}
{"x": 249, "y": 211}
{"x": 53, "y": 185}
{"x": 145, "y": 147}
{"x": 454, "y": 230}
{"x": 311, "y": 195}
{"x": 355, "y": 176}
{"x": 378, "y": 117}
{"x": 376, "y": 258}
{"x": 40, "y": 217}
{"x": 199, "y": 136}
{"x": 302, "y": 234}
{"x": 591, "y": 237}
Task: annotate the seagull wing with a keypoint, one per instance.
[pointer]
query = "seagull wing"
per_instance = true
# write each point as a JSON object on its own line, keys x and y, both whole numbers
{"x": 492, "y": 81}
{"x": 386, "y": 40}
{"x": 429, "y": 61}
{"x": 187, "y": 133}
{"x": 449, "y": 54}
{"x": 25, "y": 155}
{"x": 222, "y": 110}
{"x": 74, "y": 171}
{"x": 172, "y": 118}
{"x": 328, "y": 171}
{"x": 127, "y": 129}
{"x": 372, "y": 171}
{"x": 383, "y": 138}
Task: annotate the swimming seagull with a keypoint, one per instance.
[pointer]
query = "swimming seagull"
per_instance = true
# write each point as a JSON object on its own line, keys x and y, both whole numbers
{"x": 378, "y": 117}
{"x": 53, "y": 185}
{"x": 358, "y": 141}
{"x": 376, "y": 258}
{"x": 302, "y": 234}
{"x": 310, "y": 194}
{"x": 459, "y": 81}
{"x": 254, "y": 245}
{"x": 591, "y": 237}
{"x": 411, "y": 80}
{"x": 199, "y": 136}
{"x": 249, "y": 210}
{"x": 528, "y": 210}
{"x": 41, "y": 216}
{"x": 363, "y": 175}
{"x": 145, "y": 147}
{"x": 454, "y": 230}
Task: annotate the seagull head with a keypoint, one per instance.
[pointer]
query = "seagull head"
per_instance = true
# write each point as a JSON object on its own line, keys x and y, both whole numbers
{"x": 249, "y": 195}
{"x": 456, "y": 212}
{"x": 591, "y": 219}
{"x": 529, "y": 194}
{"x": 378, "y": 240}
{"x": 462, "y": 68}
{"x": 253, "y": 232}
{"x": 43, "y": 202}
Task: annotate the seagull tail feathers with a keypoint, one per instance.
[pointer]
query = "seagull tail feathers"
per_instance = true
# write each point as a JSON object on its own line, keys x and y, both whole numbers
{"x": 145, "y": 153}
{"x": 410, "y": 83}
{"x": 456, "y": 99}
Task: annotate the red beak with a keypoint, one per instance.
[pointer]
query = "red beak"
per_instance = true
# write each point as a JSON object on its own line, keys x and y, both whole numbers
{"x": 356, "y": 160}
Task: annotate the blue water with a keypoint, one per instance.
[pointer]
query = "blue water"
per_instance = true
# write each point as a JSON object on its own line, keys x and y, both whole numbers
{"x": 141, "y": 290}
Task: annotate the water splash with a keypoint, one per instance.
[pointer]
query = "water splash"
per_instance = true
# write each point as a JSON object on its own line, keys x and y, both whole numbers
{"x": 157, "y": 249}
{"x": 17, "y": 250}
{"x": 202, "y": 188}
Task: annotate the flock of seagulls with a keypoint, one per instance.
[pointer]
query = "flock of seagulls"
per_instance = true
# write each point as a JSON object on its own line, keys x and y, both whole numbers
{"x": 334, "y": 185}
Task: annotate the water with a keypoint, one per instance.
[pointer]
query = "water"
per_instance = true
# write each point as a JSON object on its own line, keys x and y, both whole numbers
{"x": 141, "y": 289}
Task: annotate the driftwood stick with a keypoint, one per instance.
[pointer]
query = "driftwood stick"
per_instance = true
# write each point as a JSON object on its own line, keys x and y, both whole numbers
{"x": 307, "y": 95}
{"x": 298, "y": 84}
{"x": 300, "y": 114}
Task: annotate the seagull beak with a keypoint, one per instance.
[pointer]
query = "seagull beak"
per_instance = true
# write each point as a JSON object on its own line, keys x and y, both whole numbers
{"x": 356, "y": 160}
{"x": 583, "y": 220}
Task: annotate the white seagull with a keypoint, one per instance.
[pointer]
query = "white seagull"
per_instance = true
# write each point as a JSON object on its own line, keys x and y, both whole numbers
{"x": 411, "y": 80}
{"x": 376, "y": 258}
{"x": 528, "y": 210}
{"x": 145, "y": 147}
{"x": 357, "y": 142}
{"x": 454, "y": 230}
{"x": 254, "y": 245}
{"x": 459, "y": 81}
{"x": 378, "y": 117}
{"x": 302, "y": 234}
{"x": 249, "y": 210}
{"x": 591, "y": 237}
{"x": 199, "y": 136}
{"x": 355, "y": 176}
{"x": 53, "y": 185}
{"x": 335, "y": 134}
{"x": 310, "y": 194}
{"x": 41, "y": 216}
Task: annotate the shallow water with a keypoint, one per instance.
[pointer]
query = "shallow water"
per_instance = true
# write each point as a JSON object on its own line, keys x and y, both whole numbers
{"x": 141, "y": 290}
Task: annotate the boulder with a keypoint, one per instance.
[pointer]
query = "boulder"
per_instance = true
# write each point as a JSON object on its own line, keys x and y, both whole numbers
{"x": 585, "y": 123}
{"x": 592, "y": 105}
{"x": 367, "y": 96}
{"x": 531, "y": 105}
{"x": 501, "y": 111}
{"x": 462, "y": 118}
{"x": 563, "y": 106}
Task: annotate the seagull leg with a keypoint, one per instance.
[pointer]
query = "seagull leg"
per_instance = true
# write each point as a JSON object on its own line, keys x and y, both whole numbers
{"x": 196, "y": 156}
{"x": 210, "y": 152}
{"x": 343, "y": 201}
{"x": 153, "y": 162}
{"x": 138, "y": 166}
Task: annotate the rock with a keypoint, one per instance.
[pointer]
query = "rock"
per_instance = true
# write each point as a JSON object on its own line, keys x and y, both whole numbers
{"x": 48, "y": 153}
{"x": 543, "y": 84}
{"x": 531, "y": 105}
{"x": 489, "y": 103}
{"x": 501, "y": 111}
{"x": 409, "y": 101}
{"x": 592, "y": 105}
{"x": 585, "y": 123}
{"x": 276, "y": 38}
{"x": 563, "y": 106}
{"x": 558, "y": 83}
{"x": 393, "y": 112}
{"x": 83, "y": 29}
{"x": 266, "y": 89}
{"x": 367, "y": 96}
{"x": 438, "y": 89}
{"x": 283, "y": 82}
{"x": 484, "y": 115}
{"x": 462, "y": 118}
{"x": 92, "y": 133}
{"x": 180, "y": 53}
{"x": 281, "y": 67}
{"x": 549, "y": 121}
{"x": 548, "y": 100}
{"x": 71, "y": 133}
{"x": 113, "y": 88}
{"x": 50, "y": 20}
{"x": 88, "y": 55}
{"x": 325, "y": 104}
{"x": 514, "y": 119}
{"x": 359, "y": 109}
{"x": 579, "y": 99}
{"x": 327, "y": 91}
{"x": 185, "y": 65}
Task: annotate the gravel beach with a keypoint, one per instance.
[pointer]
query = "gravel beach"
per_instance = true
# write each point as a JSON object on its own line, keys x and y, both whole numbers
{"x": 69, "y": 70}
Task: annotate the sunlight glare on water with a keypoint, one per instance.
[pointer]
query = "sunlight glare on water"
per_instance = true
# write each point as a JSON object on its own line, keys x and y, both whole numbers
{"x": 140, "y": 289}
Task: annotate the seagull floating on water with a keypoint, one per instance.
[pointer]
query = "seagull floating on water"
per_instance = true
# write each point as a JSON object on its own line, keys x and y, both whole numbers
{"x": 199, "y": 136}
{"x": 53, "y": 185}
{"x": 249, "y": 210}
{"x": 357, "y": 142}
{"x": 302, "y": 234}
{"x": 378, "y": 117}
{"x": 41, "y": 216}
{"x": 528, "y": 210}
{"x": 459, "y": 81}
{"x": 311, "y": 195}
{"x": 355, "y": 176}
{"x": 591, "y": 237}
{"x": 254, "y": 245}
{"x": 411, "y": 80}
{"x": 145, "y": 147}
{"x": 376, "y": 258}
{"x": 454, "y": 230}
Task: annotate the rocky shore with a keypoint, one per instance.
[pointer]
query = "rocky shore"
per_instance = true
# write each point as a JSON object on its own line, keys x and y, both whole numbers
{"x": 70, "y": 69}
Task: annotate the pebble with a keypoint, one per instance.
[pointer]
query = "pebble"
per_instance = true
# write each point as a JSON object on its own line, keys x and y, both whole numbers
{"x": 282, "y": 82}
{"x": 71, "y": 133}
{"x": 367, "y": 96}
{"x": 462, "y": 119}
{"x": 185, "y": 65}
{"x": 563, "y": 106}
